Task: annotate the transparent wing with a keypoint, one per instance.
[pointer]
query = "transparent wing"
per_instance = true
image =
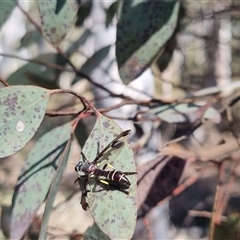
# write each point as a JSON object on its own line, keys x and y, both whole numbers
{"x": 116, "y": 146}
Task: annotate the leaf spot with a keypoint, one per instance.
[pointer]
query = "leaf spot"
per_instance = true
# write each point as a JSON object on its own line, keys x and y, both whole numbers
{"x": 20, "y": 126}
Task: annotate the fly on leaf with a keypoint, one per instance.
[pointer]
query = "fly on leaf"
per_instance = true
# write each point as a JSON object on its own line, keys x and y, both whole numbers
{"x": 106, "y": 174}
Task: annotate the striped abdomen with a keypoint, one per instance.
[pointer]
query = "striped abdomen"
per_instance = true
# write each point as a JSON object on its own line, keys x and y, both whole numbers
{"x": 115, "y": 176}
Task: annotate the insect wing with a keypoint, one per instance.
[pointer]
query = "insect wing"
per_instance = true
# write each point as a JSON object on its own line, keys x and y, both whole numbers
{"x": 114, "y": 145}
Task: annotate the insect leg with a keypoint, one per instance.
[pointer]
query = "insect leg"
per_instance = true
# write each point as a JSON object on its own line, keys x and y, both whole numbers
{"x": 84, "y": 157}
{"x": 112, "y": 185}
{"x": 83, "y": 181}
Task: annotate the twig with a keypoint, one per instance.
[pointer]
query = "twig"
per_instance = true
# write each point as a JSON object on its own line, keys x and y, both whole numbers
{"x": 225, "y": 198}
{"x": 46, "y": 64}
{"x": 4, "y": 82}
{"x": 205, "y": 214}
{"x": 30, "y": 19}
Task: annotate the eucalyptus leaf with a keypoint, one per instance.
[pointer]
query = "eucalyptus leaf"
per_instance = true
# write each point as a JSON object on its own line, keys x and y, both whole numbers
{"x": 111, "y": 12}
{"x": 94, "y": 61}
{"x": 22, "y": 109}
{"x": 83, "y": 12}
{"x": 6, "y": 8}
{"x": 142, "y": 31}
{"x": 36, "y": 177}
{"x": 94, "y": 232}
{"x": 54, "y": 188}
{"x": 113, "y": 210}
{"x": 57, "y": 19}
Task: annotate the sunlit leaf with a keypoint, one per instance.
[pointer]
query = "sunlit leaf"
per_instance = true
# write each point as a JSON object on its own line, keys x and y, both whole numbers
{"x": 142, "y": 31}
{"x": 22, "y": 109}
{"x": 36, "y": 177}
{"x": 56, "y": 26}
{"x": 113, "y": 211}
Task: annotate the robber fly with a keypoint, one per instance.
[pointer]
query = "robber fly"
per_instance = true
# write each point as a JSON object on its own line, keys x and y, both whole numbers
{"x": 115, "y": 178}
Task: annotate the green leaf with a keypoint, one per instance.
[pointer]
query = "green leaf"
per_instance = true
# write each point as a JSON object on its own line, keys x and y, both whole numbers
{"x": 186, "y": 112}
{"x": 22, "y": 110}
{"x": 80, "y": 41}
{"x": 83, "y": 12}
{"x": 110, "y": 13}
{"x": 6, "y": 8}
{"x": 30, "y": 37}
{"x": 113, "y": 211}
{"x": 94, "y": 61}
{"x": 36, "y": 177}
{"x": 142, "y": 31}
{"x": 94, "y": 232}
{"x": 37, "y": 74}
{"x": 54, "y": 189}
{"x": 56, "y": 26}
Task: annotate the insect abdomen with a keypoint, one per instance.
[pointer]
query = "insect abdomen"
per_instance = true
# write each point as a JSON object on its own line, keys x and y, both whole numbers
{"x": 117, "y": 176}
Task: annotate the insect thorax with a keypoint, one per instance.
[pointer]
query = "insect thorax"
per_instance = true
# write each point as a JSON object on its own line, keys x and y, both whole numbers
{"x": 85, "y": 167}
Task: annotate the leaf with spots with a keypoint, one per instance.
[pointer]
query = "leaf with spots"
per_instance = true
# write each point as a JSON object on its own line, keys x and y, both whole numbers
{"x": 6, "y": 8}
{"x": 22, "y": 109}
{"x": 36, "y": 177}
{"x": 56, "y": 25}
{"x": 143, "y": 29}
{"x": 94, "y": 233}
{"x": 113, "y": 210}
{"x": 54, "y": 189}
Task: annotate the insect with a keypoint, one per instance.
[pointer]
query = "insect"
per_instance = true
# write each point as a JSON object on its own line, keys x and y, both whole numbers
{"x": 82, "y": 181}
{"x": 115, "y": 178}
